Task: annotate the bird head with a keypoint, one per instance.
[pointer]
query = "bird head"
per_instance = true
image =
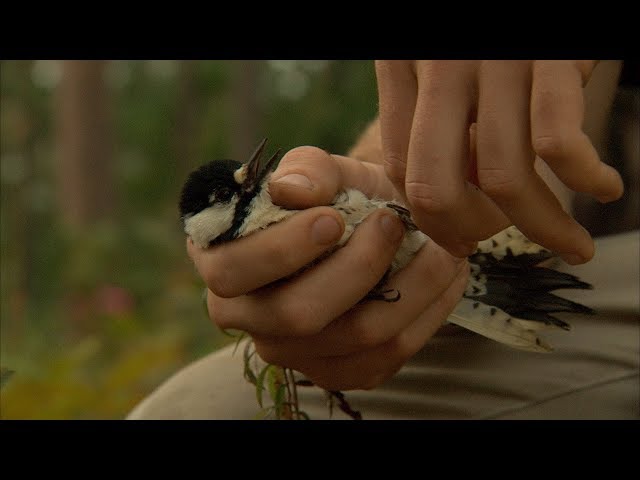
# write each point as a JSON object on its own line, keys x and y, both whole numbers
{"x": 215, "y": 198}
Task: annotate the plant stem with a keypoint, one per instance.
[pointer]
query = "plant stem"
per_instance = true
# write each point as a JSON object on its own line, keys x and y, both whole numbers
{"x": 294, "y": 388}
{"x": 289, "y": 401}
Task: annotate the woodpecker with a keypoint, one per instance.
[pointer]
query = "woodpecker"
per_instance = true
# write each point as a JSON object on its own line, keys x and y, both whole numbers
{"x": 508, "y": 296}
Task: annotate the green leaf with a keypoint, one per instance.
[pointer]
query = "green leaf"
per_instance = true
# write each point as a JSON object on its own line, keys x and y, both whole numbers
{"x": 240, "y": 338}
{"x": 278, "y": 399}
{"x": 249, "y": 375}
{"x": 232, "y": 333}
{"x": 304, "y": 415}
{"x": 275, "y": 379}
{"x": 247, "y": 354}
{"x": 248, "y": 372}
{"x": 5, "y": 374}
{"x": 260, "y": 383}
{"x": 264, "y": 413}
{"x": 204, "y": 304}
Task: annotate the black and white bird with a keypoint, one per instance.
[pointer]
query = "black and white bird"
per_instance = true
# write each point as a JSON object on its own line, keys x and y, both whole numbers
{"x": 508, "y": 297}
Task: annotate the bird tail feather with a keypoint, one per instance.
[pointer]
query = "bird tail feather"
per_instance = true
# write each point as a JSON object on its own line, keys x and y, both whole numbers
{"x": 509, "y": 297}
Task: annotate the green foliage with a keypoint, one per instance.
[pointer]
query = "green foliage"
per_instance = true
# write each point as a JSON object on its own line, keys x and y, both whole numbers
{"x": 282, "y": 387}
{"x": 5, "y": 374}
{"x": 94, "y": 320}
{"x": 97, "y": 376}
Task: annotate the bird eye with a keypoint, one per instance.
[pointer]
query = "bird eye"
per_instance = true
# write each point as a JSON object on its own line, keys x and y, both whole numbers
{"x": 221, "y": 195}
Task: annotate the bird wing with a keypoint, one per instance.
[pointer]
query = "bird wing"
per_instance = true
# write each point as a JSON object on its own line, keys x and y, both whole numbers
{"x": 494, "y": 323}
{"x": 508, "y": 297}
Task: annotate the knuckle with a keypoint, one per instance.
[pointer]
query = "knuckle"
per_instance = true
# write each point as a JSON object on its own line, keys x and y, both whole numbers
{"x": 429, "y": 199}
{"x": 325, "y": 381}
{"x": 550, "y": 147}
{"x": 395, "y": 167}
{"x": 268, "y": 354}
{"x": 365, "y": 335}
{"x": 279, "y": 252}
{"x": 372, "y": 381}
{"x": 220, "y": 282}
{"x": 220, "y": 313}
{"x": 298, "y": 318}
{"x": 388, "y": 68}
{"x": 498, "y": 183}
{"x": 368, "y": 261}
{"x": 401, "y": 348}
{"x": 436, "y": 68}
{"x": 304, "y": 153}
{"x": 545, "y": 104}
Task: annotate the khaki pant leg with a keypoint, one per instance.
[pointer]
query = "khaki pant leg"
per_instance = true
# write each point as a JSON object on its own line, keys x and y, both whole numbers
{"x": 593, "y": 374}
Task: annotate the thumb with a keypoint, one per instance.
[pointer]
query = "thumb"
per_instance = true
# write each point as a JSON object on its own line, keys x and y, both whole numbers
{"x": 310, "y": 177}
{"x": 306, "y": 177}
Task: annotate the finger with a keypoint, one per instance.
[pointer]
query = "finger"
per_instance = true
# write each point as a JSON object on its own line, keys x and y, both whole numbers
{"x": 539, "y": 215}
{"x": 370, "y": 368}
{"x": 472, "y": 171}
{"x": 309, "y": 176}
{"x": 505, "y": 162}
{"x": 444, "y": 204}
{"x": 247, "y": 263}
{"x": 373, "y": 323}
{"x": 317, "y": 296}
{"x": 503, "y": 143}
{"x": 397, "y": 93}
{"x": 557, "y": 113}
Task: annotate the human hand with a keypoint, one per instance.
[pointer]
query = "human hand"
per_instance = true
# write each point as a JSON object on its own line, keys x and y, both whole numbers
{"x": 314, "y": 323}
{"x": 465, "y": 184}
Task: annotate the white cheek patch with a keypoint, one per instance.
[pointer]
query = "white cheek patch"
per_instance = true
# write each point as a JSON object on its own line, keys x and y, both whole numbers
{"x": 209, "y": 224}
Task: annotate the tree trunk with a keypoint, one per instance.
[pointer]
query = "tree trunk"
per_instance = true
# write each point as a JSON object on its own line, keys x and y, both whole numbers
{"x": 84, "y": 144}
{"x": 185, "y": 134}
{"x": 17, "y": 250}
{"x": 245, "y": 114}
{"x": 84, "y": 171}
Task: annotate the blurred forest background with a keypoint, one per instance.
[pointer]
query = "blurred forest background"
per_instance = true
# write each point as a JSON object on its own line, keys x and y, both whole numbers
{"x": 99, "y": 302}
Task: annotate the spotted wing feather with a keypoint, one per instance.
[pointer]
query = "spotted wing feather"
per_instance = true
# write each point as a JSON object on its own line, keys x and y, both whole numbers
{"x": 510, "y": 293}
{"x": 497, "y": 325}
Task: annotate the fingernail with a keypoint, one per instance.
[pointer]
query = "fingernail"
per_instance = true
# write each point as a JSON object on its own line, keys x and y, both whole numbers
{"x": 325, "y": 230}
{"x": 295, "y": 180}
{"x": 392, "y": 227}
{"x": 608, "y": 198}
{"x": 572, "y": 258}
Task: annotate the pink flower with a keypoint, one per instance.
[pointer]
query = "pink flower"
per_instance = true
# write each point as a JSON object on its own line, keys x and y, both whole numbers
{"x": 113, "y": 300}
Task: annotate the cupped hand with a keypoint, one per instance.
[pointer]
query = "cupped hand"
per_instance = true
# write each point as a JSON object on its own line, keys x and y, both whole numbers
{"x": 465, "y": 184}
{"x": 315, "y": 321}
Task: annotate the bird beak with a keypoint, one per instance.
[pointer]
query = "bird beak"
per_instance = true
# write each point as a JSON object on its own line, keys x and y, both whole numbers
{"x": 251, "y": 174}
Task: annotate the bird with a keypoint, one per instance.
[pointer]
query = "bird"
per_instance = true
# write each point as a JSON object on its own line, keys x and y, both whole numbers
{"x": 508, "y": 297}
